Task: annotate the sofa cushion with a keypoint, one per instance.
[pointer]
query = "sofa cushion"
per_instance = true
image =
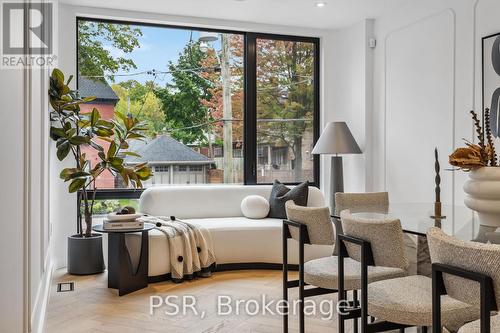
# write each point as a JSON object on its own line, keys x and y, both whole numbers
{"x": 205, "y": 201}
{"x": 280, "y": 194}
{"x": 237, "y": 223}
{"x": 255, "y": 207}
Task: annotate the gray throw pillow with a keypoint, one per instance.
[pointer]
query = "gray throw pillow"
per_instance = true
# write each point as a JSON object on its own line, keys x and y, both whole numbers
{"x": 280, "y": 194}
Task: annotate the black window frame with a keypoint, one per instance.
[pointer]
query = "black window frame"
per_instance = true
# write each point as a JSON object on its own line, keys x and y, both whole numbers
{"x": 250, "y": 98}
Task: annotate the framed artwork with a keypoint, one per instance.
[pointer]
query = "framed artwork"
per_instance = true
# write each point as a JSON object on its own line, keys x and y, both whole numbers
{"x": 491, "y": 80}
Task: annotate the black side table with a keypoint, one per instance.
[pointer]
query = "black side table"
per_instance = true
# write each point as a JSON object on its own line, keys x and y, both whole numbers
{"x": 121, "y": 273}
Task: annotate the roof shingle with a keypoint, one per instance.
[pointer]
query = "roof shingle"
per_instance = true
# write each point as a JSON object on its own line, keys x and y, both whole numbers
{"x": 165, "y": 149}
{"x": 98, "y": 88}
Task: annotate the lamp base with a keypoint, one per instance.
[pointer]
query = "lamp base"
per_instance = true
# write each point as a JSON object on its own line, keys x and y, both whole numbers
{"x": 336, "y": 180}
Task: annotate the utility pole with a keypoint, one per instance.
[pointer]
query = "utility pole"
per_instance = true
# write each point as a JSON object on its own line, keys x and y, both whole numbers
{"x": 227, "y": 110}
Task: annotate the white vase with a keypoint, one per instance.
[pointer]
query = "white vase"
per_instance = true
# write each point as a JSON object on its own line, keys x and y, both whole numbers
{"x": 483, "y": 195}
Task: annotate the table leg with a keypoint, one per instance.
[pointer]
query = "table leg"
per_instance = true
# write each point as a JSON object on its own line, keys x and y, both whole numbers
{"x": 121, "y": 274}
{"x": 114, "y": 241}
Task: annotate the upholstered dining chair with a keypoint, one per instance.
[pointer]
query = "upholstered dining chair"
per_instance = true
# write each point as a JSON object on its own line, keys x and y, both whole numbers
{"x": 377, "y": 202}
{"x": 408, "y": 301}
{"x": 307, "y": 225}
{"x": 372, "y": 244}
{"x": 313, "y": 225}
{"x": 358, "y": 202}
{"x": 470, "y": 273}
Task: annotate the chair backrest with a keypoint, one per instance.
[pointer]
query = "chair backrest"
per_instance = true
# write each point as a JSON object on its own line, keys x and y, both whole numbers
{"x": 318, "y": 222}
{"x": 377, "y": 202}
{"x": 384, "y": 234}
{"x": 471, "y": 256}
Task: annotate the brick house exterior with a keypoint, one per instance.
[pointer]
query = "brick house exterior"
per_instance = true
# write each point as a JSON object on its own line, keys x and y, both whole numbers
{"x": 105, "y": 102}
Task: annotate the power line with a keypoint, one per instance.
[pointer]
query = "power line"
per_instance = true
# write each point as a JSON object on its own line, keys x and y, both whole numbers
{"x": 153, "y": 72}
{"x": 222, "y": 120}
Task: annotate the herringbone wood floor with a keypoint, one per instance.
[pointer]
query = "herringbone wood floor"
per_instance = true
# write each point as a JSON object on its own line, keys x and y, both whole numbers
{"x": 92, "y": 307}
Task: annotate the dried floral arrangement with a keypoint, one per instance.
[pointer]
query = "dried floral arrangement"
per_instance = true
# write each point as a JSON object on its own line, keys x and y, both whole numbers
{"x": 477, "y": 155}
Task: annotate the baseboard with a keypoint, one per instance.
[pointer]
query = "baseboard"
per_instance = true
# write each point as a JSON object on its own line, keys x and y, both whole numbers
{"x": 253, "y": 265}
{"x": 40, "y": 306}
{"x": 232, "y": 267}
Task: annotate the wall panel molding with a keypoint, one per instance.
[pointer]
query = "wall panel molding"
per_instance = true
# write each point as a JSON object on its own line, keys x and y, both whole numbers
{"x": 410, "y": 28}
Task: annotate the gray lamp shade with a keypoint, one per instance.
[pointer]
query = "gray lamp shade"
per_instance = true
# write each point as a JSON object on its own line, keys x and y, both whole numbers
{"x": 336, "y": 139}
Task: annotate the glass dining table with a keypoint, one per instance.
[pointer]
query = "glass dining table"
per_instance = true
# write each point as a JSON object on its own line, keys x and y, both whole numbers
{"x": 416, "y": 219}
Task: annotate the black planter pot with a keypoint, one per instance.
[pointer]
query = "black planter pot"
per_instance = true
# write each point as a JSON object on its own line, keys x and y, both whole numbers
{"x": 85, "y": 255}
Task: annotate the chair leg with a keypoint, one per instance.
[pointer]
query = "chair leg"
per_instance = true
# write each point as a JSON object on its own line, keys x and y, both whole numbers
{"x": 424, "y": 329}
{"x": 285, "y": 280}
{"x": 302, "y": 327}
{"x": 401, "y": 330}
{"x": 301, "y": 308}
{"x": 355, "y": 320}
{"x": 285, "y": 298}
{"x": 341, "y": 323}
{"x": 364, "y": 301}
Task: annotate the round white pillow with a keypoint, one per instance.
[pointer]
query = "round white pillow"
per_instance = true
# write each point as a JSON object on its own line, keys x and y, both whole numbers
{"x": 255, "y": 207}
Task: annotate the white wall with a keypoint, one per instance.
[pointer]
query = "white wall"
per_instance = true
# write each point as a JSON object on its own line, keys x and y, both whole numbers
{"x": 12, "y": 283}
{"x": 347, "y": 67}
{"x": 427, "y": 77}
{"x": 25, "y": 246}
{"x": 410, "y": 94}
{"x": 40, "y": 259}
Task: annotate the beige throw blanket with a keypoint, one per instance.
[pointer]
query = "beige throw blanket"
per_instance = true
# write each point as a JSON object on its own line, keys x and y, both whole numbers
{"x": 190, "y": 246}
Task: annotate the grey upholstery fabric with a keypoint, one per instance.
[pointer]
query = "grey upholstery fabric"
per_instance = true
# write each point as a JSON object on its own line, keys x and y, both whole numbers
{"x": 280, "y": 194}
{"x": 472, "y": 256}
{"x": 318, "y": 222}
{"x": 376, "y": 202}
{"x": 322, "y": 273}
{"x": 408, "y": 300}
{"x": 385, "y": 237}
{"x": 474, "y": 327}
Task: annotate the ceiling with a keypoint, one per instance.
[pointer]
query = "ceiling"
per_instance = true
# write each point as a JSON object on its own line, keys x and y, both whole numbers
{"x": 299, "y": 13}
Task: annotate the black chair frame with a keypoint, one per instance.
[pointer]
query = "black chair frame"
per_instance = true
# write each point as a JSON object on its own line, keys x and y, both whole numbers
{"x": 303, "y": 293}
{"x": 365, "y": 261}
{"x": 487, "y": 298}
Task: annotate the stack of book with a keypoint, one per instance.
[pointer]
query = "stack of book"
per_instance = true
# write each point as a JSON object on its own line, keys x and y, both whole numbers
{"x": 123, "y": 222}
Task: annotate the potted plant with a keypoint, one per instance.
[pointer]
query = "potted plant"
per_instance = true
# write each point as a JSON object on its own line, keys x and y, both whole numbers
{"x": 483, "y": 185}
{"x": 72, "y": 130}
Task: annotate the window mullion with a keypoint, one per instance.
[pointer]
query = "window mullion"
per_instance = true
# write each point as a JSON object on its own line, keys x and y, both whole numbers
{"x": 250, "y": 147}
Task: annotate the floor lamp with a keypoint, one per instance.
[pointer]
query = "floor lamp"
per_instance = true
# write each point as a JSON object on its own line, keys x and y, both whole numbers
{"x": 336, "y": 139}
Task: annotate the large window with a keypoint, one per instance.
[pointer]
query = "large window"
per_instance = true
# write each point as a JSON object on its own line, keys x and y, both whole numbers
{"x": 220, "y": 106}
{"x": 285, "y": 110}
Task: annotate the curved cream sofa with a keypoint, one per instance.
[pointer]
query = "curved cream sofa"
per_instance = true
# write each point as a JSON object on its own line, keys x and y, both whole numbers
{"x": 238, "y": 241}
